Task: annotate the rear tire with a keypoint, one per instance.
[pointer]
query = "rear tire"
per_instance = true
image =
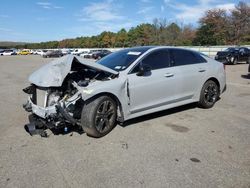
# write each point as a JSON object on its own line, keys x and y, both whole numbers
{"x": 99, "y": 116}
{"x": 209, "y": 94}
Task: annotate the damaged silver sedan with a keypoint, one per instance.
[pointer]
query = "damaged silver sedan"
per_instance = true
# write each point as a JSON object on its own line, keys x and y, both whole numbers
{"x": 123, "y": 85}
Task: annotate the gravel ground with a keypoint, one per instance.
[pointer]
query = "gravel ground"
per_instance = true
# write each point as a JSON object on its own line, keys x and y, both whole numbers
{"x": 182, "y": 147}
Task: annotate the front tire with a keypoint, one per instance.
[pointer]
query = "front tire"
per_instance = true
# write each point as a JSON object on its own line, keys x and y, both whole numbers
{"x": 209, "y": 94}
{"x": 99, "y": 116}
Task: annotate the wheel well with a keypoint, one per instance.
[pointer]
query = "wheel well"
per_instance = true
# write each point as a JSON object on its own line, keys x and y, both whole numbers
{"x": 216, "y": 81}
{"x": 120, "y": 115}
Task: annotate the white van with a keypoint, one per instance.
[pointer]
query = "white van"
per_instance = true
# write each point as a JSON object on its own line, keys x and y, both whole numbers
{"x": 80, "y": 51}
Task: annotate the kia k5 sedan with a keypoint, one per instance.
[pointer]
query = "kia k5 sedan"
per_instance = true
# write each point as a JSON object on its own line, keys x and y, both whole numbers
{"x": 121, "y": 86}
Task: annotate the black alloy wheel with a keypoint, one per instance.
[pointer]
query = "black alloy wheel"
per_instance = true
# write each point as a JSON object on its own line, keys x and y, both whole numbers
{"x": 209, "y": 94}
{"x": 99, "y": 116}
{"x": 105, "y": 116}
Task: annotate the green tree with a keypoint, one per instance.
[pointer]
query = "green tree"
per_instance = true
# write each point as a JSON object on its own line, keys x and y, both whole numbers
{"x": 205, "y": 36}
{"x": 172, "y": 33}
{"x": 187, "y": 36}
{"x": 121, "y": 38}
{"x": 213, "y": 28}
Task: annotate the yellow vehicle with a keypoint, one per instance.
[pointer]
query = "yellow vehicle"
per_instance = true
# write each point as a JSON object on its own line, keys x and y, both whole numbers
{"x": 24, "y": 52}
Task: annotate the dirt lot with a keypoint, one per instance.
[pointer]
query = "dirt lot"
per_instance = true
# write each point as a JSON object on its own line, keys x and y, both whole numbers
{"x": 182, "y": 147}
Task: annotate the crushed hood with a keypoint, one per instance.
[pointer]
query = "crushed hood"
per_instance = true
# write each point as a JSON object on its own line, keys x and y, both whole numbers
{"x": 54, "y": 73}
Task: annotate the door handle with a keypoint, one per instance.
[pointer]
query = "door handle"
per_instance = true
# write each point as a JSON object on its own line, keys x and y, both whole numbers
{"x": 169, "y": 75}
{"x": 202, "y": 70}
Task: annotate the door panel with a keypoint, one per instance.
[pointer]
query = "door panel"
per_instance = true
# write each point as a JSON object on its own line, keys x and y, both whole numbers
{"x": 191, "y": 78}
{"x": 192, "y": 70}
{"x": 153, "y": 90}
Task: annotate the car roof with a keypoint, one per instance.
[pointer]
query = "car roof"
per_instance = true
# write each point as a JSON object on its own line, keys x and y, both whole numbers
{"x": 146, "y": 48}
{"x": 141, "y": 48}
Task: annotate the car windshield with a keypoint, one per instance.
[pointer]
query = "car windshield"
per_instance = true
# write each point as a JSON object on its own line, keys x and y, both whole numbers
{"x": 121, "y": 60}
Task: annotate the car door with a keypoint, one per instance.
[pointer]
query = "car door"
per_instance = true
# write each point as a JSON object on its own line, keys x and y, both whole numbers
{"x": 155, "y": 88}
{"x": 192, "y": 70}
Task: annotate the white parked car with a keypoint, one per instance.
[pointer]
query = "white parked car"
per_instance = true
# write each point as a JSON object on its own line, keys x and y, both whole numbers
{"x": 83, "y": 54}
{"x": 79, "y": 51}
{"x": 89, "y": 54}
{"x": 1, "y": 52}
{"x": 41, "y": 52}
{"x": 32, "y": 51}
{"x": 8, "y": 52}
{"x": 123, "y": 85}
{"x": 66, "y": 51}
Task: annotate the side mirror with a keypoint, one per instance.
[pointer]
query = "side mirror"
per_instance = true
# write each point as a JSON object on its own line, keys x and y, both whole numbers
{"x": 143, "y": 69}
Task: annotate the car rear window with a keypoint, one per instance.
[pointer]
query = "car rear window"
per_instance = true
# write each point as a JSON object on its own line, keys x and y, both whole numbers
{"x": 185, "y": 57}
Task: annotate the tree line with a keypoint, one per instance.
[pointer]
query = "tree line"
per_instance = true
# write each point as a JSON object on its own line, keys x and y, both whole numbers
{"x": 216, "y": 27}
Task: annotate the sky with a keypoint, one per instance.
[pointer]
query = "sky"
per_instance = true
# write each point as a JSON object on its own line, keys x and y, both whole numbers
{"x": 45, "y": 20}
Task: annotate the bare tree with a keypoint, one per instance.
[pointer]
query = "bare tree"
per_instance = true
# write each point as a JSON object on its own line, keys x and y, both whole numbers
{"x": 240, "y": 23}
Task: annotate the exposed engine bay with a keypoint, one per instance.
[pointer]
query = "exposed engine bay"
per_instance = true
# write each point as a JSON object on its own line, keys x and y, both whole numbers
{"x": 60, "y": 104}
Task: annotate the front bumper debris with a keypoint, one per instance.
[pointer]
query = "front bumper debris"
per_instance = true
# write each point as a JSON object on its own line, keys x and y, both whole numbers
{"x": 33, "y": 130}
{"x": 42, "y": 112}
{"x": 54, "y": 117}
{"x": 35, "y": 126}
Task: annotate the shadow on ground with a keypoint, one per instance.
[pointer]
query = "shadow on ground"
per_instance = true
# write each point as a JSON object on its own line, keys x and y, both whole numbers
{"x": 65, "y": 129}
{"x": 246, "y": 76}
{"x": 74, "y": 129}
{"x": 159, "y": 114}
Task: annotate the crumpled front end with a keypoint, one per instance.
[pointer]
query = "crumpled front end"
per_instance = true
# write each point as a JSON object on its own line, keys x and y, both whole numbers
{"x": 56, "y": 92}
{"x": 51, "y": 110}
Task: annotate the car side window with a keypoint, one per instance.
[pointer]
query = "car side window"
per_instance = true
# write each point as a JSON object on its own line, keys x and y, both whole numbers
{"x": 156, "y": 60}
{"x": 181, "y": 57}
